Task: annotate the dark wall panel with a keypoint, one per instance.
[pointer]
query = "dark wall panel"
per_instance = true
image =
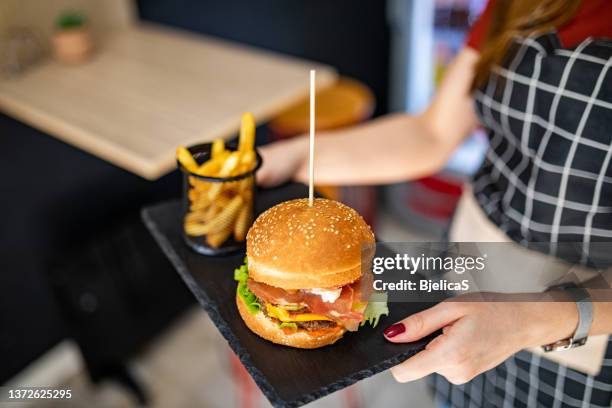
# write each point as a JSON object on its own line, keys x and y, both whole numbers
{"x": 56, "y": 201}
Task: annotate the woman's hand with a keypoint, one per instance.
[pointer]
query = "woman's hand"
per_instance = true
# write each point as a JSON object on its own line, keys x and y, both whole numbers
{"x": 477, "y": 336}
{"x": 281, "y": 161}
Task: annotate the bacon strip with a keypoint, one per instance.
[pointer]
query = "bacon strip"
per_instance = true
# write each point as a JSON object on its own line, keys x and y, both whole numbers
{"x": 340, "y": 311}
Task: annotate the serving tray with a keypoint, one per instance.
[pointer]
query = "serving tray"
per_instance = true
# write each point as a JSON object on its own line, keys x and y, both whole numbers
{"x": 288, "y": 377}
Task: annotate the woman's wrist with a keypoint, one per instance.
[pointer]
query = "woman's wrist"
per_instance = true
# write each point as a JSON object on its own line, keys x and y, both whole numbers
{"x": 550, "y": 322}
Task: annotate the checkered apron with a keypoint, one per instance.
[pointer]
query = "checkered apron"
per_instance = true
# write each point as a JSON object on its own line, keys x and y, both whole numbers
{"x": 547, "y": 177}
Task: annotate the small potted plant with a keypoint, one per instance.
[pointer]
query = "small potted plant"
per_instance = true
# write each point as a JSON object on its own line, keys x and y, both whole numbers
{"x": 72, "y": 40}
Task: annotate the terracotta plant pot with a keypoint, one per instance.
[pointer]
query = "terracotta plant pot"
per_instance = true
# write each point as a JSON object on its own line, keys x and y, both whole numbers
{"x": 72, "y": 45}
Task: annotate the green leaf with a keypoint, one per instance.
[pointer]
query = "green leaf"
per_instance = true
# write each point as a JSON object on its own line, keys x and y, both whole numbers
{"x": 69, "y": 20}
{"x": 288, "y": 325}
{"x": 377, "y": 307}
{"x": 254, "y": 307}
{"x": 241, "y": 275}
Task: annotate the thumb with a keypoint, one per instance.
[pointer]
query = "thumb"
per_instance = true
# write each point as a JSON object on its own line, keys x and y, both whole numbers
{"x": 423, "y": 323}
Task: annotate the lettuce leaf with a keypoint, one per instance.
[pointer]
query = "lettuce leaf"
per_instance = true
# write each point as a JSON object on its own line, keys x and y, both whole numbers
{"x": 288, "y": 325}
{"x": 241, "y": 275}
{"x": 377, "y": 307}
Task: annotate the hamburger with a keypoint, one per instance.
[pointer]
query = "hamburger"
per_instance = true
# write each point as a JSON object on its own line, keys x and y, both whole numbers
{"x": 302, "y": 283}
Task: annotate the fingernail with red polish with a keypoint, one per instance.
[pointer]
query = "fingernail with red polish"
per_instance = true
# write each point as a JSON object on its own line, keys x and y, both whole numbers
{"x": 394, "y": 330}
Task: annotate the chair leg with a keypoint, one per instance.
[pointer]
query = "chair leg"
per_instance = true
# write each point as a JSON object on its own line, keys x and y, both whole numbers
{"x": 247, "y": 390}
{"x": 352, "y": 397}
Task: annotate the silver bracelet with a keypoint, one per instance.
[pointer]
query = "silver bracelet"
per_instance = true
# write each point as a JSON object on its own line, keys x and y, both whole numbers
{"x": 585, "y": 319}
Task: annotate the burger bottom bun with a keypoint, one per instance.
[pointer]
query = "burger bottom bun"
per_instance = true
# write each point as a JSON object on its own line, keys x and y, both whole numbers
{"x": 269, "y": 330}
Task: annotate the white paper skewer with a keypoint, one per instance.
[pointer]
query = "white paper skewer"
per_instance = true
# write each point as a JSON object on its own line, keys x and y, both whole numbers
{"x": 312, "y": 134}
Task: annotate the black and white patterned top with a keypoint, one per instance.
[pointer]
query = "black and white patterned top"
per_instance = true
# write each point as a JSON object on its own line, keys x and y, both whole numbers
{"x": 547, "y": 177}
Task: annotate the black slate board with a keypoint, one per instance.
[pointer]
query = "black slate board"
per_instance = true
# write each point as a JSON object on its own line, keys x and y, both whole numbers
{"x": 288, "y": 377}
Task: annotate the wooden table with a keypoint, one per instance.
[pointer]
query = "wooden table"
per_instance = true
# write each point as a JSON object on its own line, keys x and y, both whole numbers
{"x": 149, "y": 89}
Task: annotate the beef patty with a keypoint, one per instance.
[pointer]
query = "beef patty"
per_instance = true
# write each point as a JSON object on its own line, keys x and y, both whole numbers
{"x": 311, "y": 325}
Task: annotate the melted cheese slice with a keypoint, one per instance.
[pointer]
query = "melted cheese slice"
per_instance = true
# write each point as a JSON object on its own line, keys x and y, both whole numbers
{"x": 284, "y": 316}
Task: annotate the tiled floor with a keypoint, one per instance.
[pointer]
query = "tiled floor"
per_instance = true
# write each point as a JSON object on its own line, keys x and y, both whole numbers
{"x": 189, "y": 366}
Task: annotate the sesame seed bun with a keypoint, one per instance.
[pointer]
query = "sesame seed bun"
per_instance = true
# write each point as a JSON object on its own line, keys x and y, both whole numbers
{"x": 269, "y": 330}
{"x": 295, "y": 246}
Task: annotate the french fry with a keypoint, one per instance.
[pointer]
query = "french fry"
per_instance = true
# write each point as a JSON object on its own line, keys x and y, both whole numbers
{"x": 246, "y": 142}
{"x": 230, "y": 164}
{"x": 219, "y": 222}
{"x": 194, "y": 217}
{"x": 216, "y": 207}
{"x": 198, "y": 184}
{"x": 211, "y": 212}
{"x": 223, "y": 200}
{"x": 243, "y": 222}
{"x": 199, "y": 206}
{"x": 205, "y": 213}
{"x": 201, "y": 203}
{"x": 210, "y": 167}
{"x": 186, "y": 159}
{"x": 247, "y": 195}
{"x": 246, "y": 184}
{"x": 218, "y": 148}
{"x": 248, "y": 157}
{"x": 247, "y": 162}
{"x": 246, "y": 189}
{"x": 231, "y": 188}
{"x": 193, "y": 195}
{"x": 214, "y": 191}
{"x": 216, "y": 239}
{"x": 193, "y": 228}
{"x": 218, "y": 156}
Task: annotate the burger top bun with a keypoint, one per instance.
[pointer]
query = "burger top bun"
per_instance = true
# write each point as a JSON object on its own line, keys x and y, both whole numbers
{"x": 295, "y": 246}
